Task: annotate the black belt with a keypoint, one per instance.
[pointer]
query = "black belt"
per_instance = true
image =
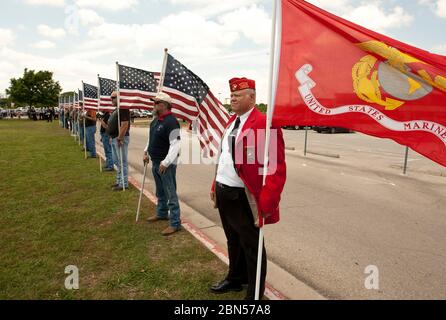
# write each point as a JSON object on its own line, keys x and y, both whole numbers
{"x": 223, "y": 186}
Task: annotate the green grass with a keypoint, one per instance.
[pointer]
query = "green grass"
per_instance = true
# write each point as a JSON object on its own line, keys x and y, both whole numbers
{"x": 57, "y": 209}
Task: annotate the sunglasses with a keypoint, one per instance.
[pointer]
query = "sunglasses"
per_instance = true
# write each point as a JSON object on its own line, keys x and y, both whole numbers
{"x": 113, "y": 98}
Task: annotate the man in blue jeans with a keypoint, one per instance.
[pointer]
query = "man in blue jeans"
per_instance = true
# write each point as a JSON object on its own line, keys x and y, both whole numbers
{"x": 120, "y": 143}
{"x": 90, "y": 130}
{"x": 105, "y": 138}
{"x": 163, "y": 147}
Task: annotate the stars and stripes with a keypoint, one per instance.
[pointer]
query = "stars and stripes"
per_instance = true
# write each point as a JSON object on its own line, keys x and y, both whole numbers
{"x": 136, "y": 87}
{"x": 81, "y": 98}
{"x": 193, "y": 101}
{"x": 70, "y": 101}
{"x": 90, "y": 97}
{"x": 106, "y": 88}
{"x": 76, "y": 100}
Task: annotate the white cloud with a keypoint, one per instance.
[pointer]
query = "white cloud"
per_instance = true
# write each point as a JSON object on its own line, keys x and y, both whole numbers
{"x": 69, "y": 70}
{"x": 89, "y": 17}
{"x": 181, "y": 32}
{"x": 213, "y": 7}
{"x": 334, "y": 6}
{"x": 54, "y": 3}
{"x": 438, "y": 6}
{"x": 257, "y": 27}
{"x": 53, "y": 33}
{"x": 372, "y": 16}
{"x": 112, "y": 5}
{"x": 6, "y": 37}
{"x": 44, "y": 44}
{"x": 440, "y": 49}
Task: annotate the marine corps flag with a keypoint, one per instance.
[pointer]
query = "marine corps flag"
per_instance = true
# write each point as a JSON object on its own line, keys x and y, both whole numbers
{"x": 335, "y": 73}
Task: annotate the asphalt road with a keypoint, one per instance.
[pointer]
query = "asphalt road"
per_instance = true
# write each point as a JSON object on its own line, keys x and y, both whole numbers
{"x": 341, "y": 215}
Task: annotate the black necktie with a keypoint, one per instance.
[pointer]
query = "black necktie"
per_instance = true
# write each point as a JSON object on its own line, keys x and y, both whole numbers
{"x": 232, "y": 138}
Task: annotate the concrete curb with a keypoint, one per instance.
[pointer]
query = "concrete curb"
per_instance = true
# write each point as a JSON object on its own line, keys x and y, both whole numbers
{"x": 280, "y": 284}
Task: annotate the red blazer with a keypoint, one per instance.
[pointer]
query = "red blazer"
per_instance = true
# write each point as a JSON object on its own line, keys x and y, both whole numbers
{"x": 250, "y": 147}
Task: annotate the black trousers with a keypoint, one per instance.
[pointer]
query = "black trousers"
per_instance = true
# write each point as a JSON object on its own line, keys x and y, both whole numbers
{"x": 243, "y": 237}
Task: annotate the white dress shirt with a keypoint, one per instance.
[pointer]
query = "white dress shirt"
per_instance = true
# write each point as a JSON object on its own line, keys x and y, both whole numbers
{"x": 226, "y": 172}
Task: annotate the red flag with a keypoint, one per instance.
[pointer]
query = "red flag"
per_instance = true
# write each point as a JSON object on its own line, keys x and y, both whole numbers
{"x": 336, "y": 73}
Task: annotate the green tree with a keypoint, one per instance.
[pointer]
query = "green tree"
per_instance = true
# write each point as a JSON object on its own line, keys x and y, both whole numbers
{"x": 262, "y": 107}
{"x": 4, "y": 103}
{"x": 35, "y": 89}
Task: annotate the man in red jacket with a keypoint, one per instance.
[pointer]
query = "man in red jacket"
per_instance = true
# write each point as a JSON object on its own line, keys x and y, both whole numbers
{"x": 244, "y": 203}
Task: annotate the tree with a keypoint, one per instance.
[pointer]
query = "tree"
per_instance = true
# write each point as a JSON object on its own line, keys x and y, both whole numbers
{"x": 262, "y": 107}
{"x": 35, "y": 89}
{"x": 4, "y": 103}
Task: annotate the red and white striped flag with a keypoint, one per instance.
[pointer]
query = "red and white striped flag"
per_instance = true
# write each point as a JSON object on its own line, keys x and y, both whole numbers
{"x": 194, "y": 101}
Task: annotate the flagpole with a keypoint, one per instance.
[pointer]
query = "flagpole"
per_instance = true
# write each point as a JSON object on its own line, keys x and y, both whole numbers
{"x": 270, "y": 109}
{"x": 78, "y": 129}
{"x": 141, "y": 192}
{"x": 83, "y": 120}
{"x": 119, "y": 125}
{"x": 162, "y": 75}
{"x": 306, "y": 140}
{"x": 405, "y": 160}
{"x": 163, "y": 71}
{"x": 74, "y": 108}
{"x": 100, "y": 127}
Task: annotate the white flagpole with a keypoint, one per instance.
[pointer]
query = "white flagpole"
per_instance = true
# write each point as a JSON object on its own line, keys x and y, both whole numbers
{"x": 119, "y": 125}
{"x": 74, "y": 120}
{"x": 78, "y": 111}
{"x": 271, "y": 98}
{"x": 100, "y": 127}
{"x": 163, "y": 72}
{"x": 142, "y": 191}
{"x": 83, "y": 120}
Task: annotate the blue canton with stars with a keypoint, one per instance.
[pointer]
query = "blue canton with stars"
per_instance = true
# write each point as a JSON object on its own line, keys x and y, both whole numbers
{"x": 107, "y": 86}
{"x": 180, "y": 78}
{"x": 136, "y": 79}
{"x": 90, "y": 91}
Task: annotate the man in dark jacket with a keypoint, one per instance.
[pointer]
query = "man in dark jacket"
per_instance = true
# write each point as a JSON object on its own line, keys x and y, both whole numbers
{"x": 163, "y": 147}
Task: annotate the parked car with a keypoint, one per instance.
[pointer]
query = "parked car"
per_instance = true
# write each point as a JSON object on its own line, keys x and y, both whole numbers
{"x": 146, "y": 113}
{"x": 297, "y": 127}
{"x": 323, "y": 129}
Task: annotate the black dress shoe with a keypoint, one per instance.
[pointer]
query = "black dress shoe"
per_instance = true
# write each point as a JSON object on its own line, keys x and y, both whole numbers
{"x": 226, "y": 286}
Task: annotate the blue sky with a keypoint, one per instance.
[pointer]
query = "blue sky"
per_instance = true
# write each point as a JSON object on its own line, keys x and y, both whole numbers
{"x": 77, "y": 39}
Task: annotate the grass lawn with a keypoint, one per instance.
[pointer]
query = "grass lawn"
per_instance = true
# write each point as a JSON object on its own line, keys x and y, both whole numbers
{"x": 57, "y": 209}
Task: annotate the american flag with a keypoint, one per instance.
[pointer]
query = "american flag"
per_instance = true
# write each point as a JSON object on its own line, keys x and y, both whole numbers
{"x": 194, "y": 101}
{"x": 81, "y": 98}
{"x": 106, "y": 88}
{"x": 90, "y": 97}
{"x": 70, "y": 100}
{"x": 136, "y": 87}
{"x": 76, "y": 100}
